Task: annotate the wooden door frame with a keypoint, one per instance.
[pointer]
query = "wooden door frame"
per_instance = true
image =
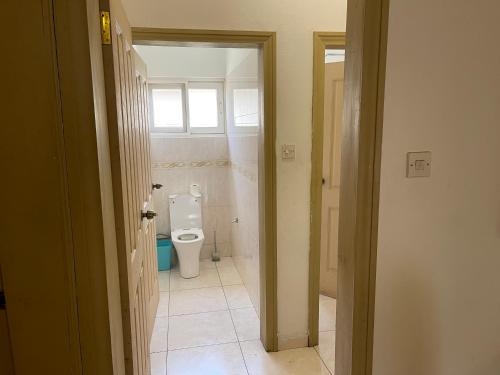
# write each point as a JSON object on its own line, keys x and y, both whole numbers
{"x": 266, "y": 41}
{"x": 321, "y": 41}
{"x": 364, "y": 85}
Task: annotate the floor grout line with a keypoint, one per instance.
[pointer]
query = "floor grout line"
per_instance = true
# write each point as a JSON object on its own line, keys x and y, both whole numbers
{"x": 234, "y": 326}
{"x": 212, "y": 311}
{"x": 199, "y": 313}
{"x": 316, "y": 349}
{"x": 322, "y": 360}
{"x": 168, "y": 320}
{"x": 203, "y": 346}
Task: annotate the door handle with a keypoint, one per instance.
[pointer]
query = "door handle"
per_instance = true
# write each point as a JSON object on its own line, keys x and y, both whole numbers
{"x": 150, "y": 215}
{"x": 157, "y": 186}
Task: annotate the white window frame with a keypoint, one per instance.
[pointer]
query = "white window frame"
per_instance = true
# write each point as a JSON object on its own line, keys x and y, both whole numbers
{"x": 230, "y": 87}
{"x": 164, "y": 130}
{"x": 219, "y": 86}
{"x": 185, "y": 85}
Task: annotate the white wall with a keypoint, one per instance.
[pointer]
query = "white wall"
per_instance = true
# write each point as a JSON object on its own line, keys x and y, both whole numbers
{"x": 294, "y": 21}
{"x": 437, "y": 294}
{"x": 242, "y": 63}
{"x": 184, "y": 62}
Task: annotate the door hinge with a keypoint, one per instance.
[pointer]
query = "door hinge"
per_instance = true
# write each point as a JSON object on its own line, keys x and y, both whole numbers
{"x": 2, "y": 301}
{"x": 105, "y": 27}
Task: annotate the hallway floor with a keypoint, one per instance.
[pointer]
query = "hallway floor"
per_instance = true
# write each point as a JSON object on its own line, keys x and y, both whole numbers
{"x": 207, "y": 325}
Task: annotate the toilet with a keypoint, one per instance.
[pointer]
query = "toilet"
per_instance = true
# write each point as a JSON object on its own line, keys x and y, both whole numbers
{"x": 187, "y": 235}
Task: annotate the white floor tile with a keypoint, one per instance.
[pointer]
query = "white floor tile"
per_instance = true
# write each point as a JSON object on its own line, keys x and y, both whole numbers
{"x": 207, "y": 278}
{"x": 210, "y": 328}
{"x": 193, "y": 301}
{"x": 163, "y": 304}
{"x": 229, "y": 275}
{"x": 207, "y": 264}
{"x": 327, "y": 312}
{"x": 326, "y": 349}
{"x": 237, "y": 296}
{"x": 288, "y": 362}
{"x": 158, "y": 363}
{"x": 164, "y": 281}
{"x": 159, "y": 336}
{"x": 225, "y": 262}
{"x": 225, "y": 359}
{"x": 247, "y": 324}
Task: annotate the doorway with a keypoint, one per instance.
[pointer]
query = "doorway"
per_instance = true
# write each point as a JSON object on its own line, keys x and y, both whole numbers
{"x": 204, "y": 115}
{"x": 244, "y": 210}
{"x": 328, "y": 78}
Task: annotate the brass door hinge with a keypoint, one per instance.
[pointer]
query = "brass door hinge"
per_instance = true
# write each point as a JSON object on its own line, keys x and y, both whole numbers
{"x": 105, "y": 27}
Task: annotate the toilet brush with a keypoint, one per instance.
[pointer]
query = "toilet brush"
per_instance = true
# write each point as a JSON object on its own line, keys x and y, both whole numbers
{"x": 215, "y": 254}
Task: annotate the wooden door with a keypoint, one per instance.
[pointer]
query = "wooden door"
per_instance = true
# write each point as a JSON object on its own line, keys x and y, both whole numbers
{"x": 126, "y": 95}
{"x": 332, "y": 134}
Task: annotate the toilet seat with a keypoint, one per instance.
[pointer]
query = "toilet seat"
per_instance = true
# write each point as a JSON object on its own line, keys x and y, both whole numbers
{"x": 188, "y": 243}
{"x": 185, "y": 236}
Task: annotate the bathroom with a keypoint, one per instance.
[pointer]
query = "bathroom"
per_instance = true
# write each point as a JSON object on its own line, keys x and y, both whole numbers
{"x": 205, "y": 117}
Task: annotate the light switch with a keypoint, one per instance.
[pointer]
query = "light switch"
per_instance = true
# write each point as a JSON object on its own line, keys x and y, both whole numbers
{"x": 288, "y": 152}
{"x": 418, "y": 164}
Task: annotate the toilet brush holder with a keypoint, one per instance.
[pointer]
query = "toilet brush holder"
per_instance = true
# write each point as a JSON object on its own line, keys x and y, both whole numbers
{"x": 215, "y": 254}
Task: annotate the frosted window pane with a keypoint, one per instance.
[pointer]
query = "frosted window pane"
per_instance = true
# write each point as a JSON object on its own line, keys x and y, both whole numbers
{"x": 203, "y": 108}
{"x": 167, "y": 108}
{"x": 246, "y": 107}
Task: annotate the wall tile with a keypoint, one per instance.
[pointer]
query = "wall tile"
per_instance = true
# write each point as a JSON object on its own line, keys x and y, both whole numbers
{"x": 181, "y": 161}
{"x": 243, "y": 154}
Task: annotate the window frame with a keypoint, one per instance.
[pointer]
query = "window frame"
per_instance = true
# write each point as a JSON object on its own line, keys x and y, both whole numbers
{"x": 230, "y": 87}
{"x": 219, "y": 86}
{"x": 166, "y": 130}
{"x": 185, "y": 85}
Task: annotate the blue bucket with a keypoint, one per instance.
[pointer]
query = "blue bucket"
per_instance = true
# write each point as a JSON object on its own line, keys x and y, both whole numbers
{"x": 164, "y": 252}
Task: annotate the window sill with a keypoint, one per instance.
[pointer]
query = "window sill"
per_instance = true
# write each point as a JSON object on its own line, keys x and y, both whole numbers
{"x": 187, "y": 135}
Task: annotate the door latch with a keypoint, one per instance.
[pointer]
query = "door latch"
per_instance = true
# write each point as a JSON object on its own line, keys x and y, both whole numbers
{"x": 150, "y": 215}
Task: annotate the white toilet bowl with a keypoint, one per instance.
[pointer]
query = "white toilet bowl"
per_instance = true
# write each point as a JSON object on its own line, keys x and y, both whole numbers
{"x": 188, "y": 244}
{"x": 187, "y": 235}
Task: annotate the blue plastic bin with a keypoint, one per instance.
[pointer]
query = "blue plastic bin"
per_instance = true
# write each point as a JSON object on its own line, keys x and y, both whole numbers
{"x": 164, "y": 251}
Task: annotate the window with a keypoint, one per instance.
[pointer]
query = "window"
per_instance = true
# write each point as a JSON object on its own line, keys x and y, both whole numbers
{"x": 190, "y": 107}
{"x": 243, "y": 106}
{"x": 246, "y": 107}
{"x": 206, "y": 107}
{"x": 167, "y": 108}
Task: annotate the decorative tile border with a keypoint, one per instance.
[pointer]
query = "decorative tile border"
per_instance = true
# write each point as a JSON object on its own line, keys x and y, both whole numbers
{"x": 238, "y": 168}
{"x": 189, "y": 164}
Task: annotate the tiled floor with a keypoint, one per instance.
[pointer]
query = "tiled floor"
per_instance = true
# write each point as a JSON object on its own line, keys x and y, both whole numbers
{"x": 326, "y": 346}
{"x": 207, "y": 325}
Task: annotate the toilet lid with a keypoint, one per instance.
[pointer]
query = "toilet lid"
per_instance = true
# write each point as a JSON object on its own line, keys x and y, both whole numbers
{"x": 185, "y": 211}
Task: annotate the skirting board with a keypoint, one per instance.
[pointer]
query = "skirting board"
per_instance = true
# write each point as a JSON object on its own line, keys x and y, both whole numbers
{"x": 292, "y": 342}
